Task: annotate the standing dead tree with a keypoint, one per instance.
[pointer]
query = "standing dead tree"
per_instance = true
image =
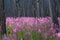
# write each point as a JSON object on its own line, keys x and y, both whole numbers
{"x": 2, "y": 17}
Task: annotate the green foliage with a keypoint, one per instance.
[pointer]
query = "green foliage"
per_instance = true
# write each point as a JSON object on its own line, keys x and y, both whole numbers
{"x": 0, "y": 35}
{"x": 20, "y": 34}
{"x": 36, "y": 36}
{"x": 52, "y": 39}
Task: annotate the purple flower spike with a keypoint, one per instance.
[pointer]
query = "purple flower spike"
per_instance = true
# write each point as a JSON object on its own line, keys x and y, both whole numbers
{"x": 34, "y": 29}
{"x": 15, "y": 30}
{"x": 14, "y": 36}
{"x": 58, "y": 35}
{"x": 39, "y": 31}
{"x": 4, "y": 38}
{"x": 8, "y": 38}
{"x": 28, "y": 33}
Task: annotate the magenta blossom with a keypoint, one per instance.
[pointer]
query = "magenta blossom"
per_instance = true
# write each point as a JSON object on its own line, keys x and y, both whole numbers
{"x": 58, "y": 35}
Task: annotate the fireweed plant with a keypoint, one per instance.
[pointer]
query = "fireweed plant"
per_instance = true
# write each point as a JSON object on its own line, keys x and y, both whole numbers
{"x": 30, "y": 28}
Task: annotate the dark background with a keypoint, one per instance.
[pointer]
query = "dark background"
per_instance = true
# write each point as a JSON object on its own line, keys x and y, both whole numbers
{"x": 18, "y": 8}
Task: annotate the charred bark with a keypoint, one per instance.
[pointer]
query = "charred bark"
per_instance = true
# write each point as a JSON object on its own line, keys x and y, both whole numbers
{"x": 2, "y": 17}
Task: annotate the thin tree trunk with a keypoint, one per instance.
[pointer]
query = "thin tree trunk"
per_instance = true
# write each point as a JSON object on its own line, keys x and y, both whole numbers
{"x": 37, "y": 3}
{"x": 42, "y": 12}
{"x": 34, "y": 7}
{"x": 50, "y": 9}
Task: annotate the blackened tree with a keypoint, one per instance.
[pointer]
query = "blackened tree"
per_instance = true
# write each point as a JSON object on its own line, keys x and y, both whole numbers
{"x": 2, "y": 17}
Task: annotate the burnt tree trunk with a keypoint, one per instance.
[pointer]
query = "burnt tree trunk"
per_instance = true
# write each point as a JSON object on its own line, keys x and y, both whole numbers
{"x": 2, "y": 17}
{"x": 34, "y": 7}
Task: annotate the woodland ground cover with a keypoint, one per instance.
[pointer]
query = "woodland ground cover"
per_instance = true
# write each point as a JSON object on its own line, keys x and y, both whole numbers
{"x": 30, "y": 28}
